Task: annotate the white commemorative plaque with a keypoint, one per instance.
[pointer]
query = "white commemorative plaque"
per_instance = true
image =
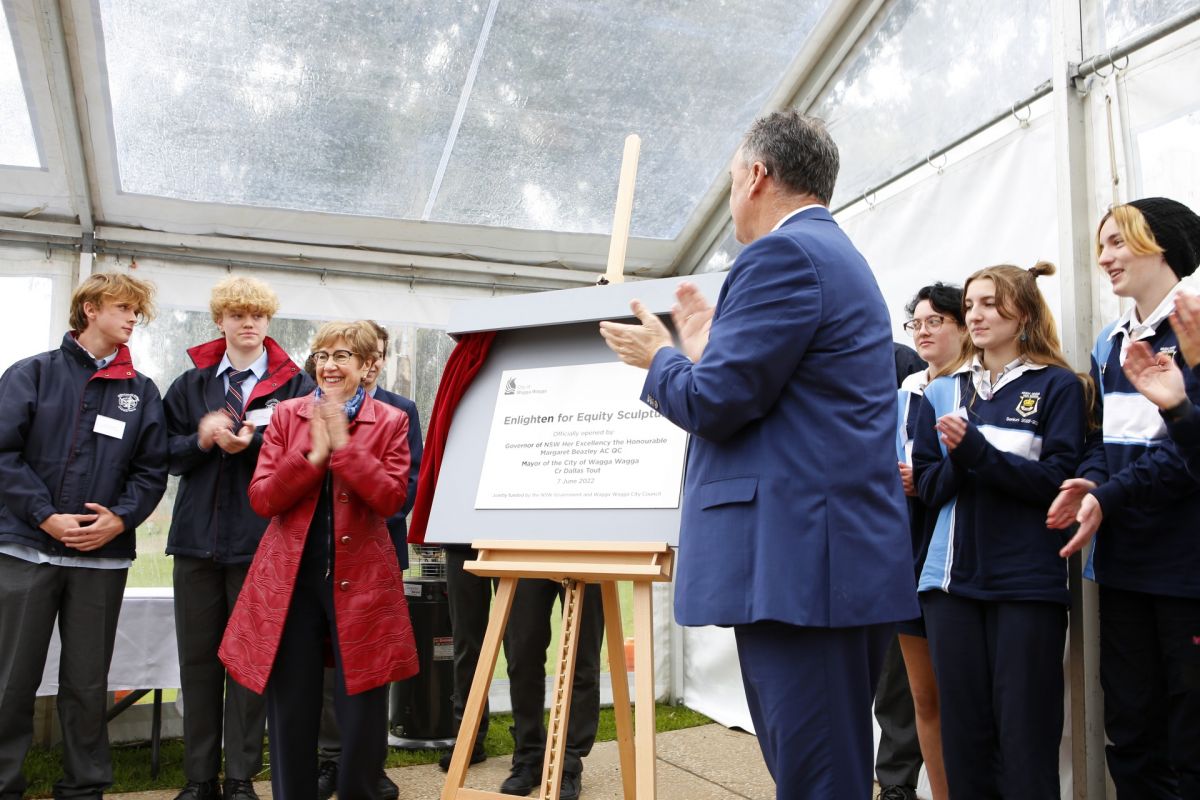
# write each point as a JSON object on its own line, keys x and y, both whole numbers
{"x": 578, "y": 437}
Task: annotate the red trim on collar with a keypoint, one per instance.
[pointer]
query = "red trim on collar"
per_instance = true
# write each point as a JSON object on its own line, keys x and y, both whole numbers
{"x": 280, "y": 367}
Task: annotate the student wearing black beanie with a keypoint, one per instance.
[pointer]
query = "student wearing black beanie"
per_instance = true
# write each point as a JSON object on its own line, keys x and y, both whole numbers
{"x": 1135, "y": 488}
{"x": 1176, "y": 229}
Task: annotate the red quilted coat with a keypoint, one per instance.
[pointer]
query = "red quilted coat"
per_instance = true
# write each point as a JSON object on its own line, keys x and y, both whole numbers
{"x": 370, "y": 480}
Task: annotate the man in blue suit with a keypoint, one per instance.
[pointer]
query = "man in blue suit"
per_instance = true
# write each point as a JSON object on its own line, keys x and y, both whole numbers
{"x": 794, "y": 528}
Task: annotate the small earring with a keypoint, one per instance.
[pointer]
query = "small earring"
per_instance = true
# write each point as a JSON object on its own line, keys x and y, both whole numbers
{"x": 1024, "y": 338}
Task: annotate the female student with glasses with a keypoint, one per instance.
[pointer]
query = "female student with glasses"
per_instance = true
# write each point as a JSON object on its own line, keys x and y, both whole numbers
{"x": 939, "y": 333}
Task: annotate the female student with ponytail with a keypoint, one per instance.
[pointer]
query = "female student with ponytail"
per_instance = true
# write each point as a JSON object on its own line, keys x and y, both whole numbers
{"x": 1135, "y": 483}
{"x": 939, "y": 333}
{"x": 992, "y": 446}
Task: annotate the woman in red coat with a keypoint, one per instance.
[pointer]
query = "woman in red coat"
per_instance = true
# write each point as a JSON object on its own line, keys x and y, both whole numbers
{"x": 333, "y": 467}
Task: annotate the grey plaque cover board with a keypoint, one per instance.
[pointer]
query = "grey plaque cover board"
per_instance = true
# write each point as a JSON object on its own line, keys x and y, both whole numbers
{"x": 546, "y": 329}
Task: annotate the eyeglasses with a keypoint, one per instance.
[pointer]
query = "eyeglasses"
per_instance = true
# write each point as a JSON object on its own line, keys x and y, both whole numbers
{"x": 339, "y": 357}
{"x": 930, "y": 323}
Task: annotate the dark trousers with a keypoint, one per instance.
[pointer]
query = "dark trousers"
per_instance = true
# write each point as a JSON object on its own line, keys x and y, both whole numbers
{"x": 329, "y": 736}
{"x": 470, "y": 599}
{"x": 294, "y": 701}
{"x": 898, "y": 760}
{"x": 86, "y": 603}
{"x": 216, "y": 708}
{"x": 810, "y": 692}
{"x": 525, "y": 644}
{"x": 999, "y": 672}
{"x": 1150, "y": 673}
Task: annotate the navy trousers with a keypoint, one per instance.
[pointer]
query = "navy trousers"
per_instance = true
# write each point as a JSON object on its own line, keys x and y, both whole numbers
{"x": 1150, "y": 672}
{"x": 810, "y": 692}
{"x": 999, "y": 672}
{"x": 294, "y": 700}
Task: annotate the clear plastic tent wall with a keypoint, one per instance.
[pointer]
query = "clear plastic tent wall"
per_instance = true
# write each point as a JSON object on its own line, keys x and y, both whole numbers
{"x": 375, "y": 162}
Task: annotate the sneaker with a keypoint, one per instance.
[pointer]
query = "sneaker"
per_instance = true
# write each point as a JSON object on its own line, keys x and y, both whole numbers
{"x": 388, "y": 790}
{"x": 239, "y": 790}
{"x": 523, "y": 780}
{"x": 895, "y": 793}
{"x": 478, "y": 756}
{"x": 570, "y": 786}
{"x": 327, "y": 780}
{"x": 202, "y": 790}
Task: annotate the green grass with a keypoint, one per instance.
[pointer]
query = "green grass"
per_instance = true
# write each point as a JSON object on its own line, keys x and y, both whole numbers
{"x": 131, "y": 764}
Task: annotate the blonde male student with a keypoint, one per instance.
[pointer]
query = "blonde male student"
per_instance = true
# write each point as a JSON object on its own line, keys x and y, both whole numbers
{"x": 216, "y": 415}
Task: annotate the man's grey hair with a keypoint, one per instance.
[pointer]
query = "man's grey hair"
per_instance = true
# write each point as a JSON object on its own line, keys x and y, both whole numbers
{"x": 796, "y": 150}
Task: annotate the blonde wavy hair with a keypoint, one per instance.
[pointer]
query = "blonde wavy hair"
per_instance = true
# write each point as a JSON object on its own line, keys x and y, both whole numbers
{"x": 112, "y": 287}
{"x": 245, "y": 295}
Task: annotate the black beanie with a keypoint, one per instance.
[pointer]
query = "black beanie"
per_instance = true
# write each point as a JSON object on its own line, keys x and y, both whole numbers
{"x": 1176, "y": 228}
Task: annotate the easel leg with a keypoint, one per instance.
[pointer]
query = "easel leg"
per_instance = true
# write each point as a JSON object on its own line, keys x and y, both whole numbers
{"x": 560, "y": 698}
{"x": 618, "y": 672}
{"x": 473, "y": 710}
{"x": 643, "y": 669}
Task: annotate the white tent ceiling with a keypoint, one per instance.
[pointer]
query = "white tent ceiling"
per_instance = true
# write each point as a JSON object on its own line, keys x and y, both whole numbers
{"x": 475, "y": 139}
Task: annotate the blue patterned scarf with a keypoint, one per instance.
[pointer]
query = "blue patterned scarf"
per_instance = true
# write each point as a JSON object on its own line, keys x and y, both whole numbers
{"x": 352, "y": 405}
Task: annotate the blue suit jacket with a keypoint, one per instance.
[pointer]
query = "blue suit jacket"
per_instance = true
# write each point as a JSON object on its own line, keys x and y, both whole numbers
{"x": 792, "y": 504}
{"x": 397, "y": 523}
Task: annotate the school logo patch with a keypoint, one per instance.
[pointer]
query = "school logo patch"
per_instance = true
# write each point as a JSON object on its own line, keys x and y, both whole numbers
{"x": 1028, "y": 404}
{"x": 127, "y": 402}
{"x": 274, "y": 401}
{"x": 1168, "y": 351}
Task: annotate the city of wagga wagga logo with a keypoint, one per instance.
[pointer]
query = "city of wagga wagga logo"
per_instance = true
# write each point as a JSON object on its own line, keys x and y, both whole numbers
{"x": 127, "y": 402}
{"x": 511, "y": 386}
{"x": 1028, "y": 403}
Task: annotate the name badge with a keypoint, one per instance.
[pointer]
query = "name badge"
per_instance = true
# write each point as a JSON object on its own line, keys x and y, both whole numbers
{"x": 107, "y": 426}
{"x": 260, "y": 417}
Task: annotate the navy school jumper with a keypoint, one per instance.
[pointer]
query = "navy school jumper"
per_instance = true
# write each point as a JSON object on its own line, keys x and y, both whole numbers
{"x": 990, "y": 540}
{"x": 1185, "y": 432}
{"x": 1148, "y": 541}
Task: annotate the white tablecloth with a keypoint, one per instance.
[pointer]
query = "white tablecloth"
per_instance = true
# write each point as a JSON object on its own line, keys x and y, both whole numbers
{"x": 144, "y": 656}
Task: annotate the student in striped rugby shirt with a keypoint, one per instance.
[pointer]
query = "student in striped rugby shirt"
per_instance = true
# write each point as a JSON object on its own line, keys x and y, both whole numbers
{"x": 1137, "y": 490}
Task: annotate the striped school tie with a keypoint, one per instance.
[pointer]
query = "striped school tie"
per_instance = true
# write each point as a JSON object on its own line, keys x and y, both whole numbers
{"x": 234, "y": 402}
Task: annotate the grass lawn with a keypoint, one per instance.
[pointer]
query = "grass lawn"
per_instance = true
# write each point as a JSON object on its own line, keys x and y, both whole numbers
{"x": 131, "y": 764}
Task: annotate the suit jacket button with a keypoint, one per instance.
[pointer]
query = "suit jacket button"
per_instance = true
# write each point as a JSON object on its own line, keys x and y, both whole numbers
{"x": 344, "y": 586}
{"x": 343, "y": 497}
{"x": 345, "y": 540}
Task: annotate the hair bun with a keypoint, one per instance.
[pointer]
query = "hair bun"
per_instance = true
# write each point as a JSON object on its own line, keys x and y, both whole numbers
{"x": 1042, "y": 268}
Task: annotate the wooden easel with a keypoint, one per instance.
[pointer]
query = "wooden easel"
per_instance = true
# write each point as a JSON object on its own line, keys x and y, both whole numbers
{"x": 575, "y": 564}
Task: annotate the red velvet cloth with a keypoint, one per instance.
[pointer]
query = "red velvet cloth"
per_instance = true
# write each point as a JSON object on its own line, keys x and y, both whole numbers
{"x": 464, "y": 363}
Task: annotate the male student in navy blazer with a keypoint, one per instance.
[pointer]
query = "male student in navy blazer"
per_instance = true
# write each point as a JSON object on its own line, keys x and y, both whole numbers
{"x": 794, "y": 528}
